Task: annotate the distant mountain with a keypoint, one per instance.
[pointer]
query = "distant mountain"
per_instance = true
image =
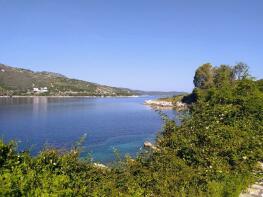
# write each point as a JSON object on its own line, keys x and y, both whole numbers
{"x": 19, "y": 81}
{"x": 158, "y": 93}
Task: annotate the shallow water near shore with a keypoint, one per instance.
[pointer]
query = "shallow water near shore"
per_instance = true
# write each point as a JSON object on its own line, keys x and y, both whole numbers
{"x": 108, "y": 123}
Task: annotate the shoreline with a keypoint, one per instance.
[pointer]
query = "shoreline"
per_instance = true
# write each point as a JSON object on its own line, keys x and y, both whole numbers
{"x": 160, "y": 104}
{"x": 35, "y": 96}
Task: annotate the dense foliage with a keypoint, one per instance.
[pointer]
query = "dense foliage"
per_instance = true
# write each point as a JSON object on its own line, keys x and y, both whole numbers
{"x": 214, "y": 152}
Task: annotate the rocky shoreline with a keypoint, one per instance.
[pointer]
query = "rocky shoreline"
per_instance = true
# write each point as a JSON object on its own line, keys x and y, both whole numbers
{"x": 159, "y": 103}
{"x": 180, "y": 106}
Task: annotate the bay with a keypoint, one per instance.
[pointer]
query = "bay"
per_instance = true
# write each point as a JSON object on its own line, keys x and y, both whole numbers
{"x": 108, "y": 123}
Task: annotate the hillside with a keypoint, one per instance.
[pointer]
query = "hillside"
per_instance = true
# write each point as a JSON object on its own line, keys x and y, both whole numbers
{"x": 19, "y": 81}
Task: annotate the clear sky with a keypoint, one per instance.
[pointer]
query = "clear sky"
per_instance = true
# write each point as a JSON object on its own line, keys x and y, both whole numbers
{"x": 139, "y": 44}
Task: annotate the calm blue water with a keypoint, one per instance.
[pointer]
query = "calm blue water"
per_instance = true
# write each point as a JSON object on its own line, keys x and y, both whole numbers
{"x": 121, "y": 123}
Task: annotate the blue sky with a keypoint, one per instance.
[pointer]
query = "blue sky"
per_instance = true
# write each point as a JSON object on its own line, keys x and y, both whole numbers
{"x": 139, "y": 44}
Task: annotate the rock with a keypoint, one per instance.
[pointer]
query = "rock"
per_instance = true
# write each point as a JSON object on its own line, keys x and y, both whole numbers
{"x": 148, "y": 144}
{"x": 255, "y": 190}
{"x": 99, "y": 165}
{"x": 157, "y": 104}
{"x": 181, "y": 106}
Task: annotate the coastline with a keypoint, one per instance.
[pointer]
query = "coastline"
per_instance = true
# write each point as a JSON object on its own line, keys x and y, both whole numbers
{"x": 35, "y": 96}
{"x": 161, "y": 104}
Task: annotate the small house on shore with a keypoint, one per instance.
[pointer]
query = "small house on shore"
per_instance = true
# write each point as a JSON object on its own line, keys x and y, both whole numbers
{"x": 40, "y": 90}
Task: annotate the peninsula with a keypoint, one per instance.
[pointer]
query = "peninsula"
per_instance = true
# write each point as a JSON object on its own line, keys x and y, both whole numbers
{"x": 178, "y": 102}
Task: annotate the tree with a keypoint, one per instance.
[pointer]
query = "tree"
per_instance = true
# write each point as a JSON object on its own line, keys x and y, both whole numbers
{"x": 223, "y": 75}
{"x": 260, "y": 84}
{"x": 204, "y": 76}
{"x": 241, "y": 71}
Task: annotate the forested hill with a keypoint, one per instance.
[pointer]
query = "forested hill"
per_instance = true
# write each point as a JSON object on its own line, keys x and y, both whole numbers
{"x": 19, "y": 81}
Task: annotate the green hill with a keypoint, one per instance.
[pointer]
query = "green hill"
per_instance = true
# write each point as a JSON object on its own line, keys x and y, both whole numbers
{"x": 19, "y": 81}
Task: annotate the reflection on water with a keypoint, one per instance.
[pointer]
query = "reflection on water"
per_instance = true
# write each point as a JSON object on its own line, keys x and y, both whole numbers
{"x": 122, "y": 123}
{"x": 39, "y": 105}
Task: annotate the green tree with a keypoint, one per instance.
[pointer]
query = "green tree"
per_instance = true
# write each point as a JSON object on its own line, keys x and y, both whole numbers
{"x": 223, "y": 75}
{"x": 241, "y": 71}
{"x": 260, "y": 84}
{"x": 204, "y": 76}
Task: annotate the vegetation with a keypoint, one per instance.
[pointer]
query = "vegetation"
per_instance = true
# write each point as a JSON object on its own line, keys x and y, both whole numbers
{"x": 204, "y": 76}
{"x": 174, "y": 99}
{"x": 18, "y": 81}
{"x": 214, "y": 152}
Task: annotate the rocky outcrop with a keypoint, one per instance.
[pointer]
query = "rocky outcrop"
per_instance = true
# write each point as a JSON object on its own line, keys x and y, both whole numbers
{"x": 159, "y": 103}
{"x": 99, "y": 165}
{"x": 255, "y": 190}
{"x": 149, "y": 145}
{"x": 180, "y": 106}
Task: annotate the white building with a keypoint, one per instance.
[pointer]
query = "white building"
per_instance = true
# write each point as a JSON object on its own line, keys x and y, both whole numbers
{"x": 40, "y": 90}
